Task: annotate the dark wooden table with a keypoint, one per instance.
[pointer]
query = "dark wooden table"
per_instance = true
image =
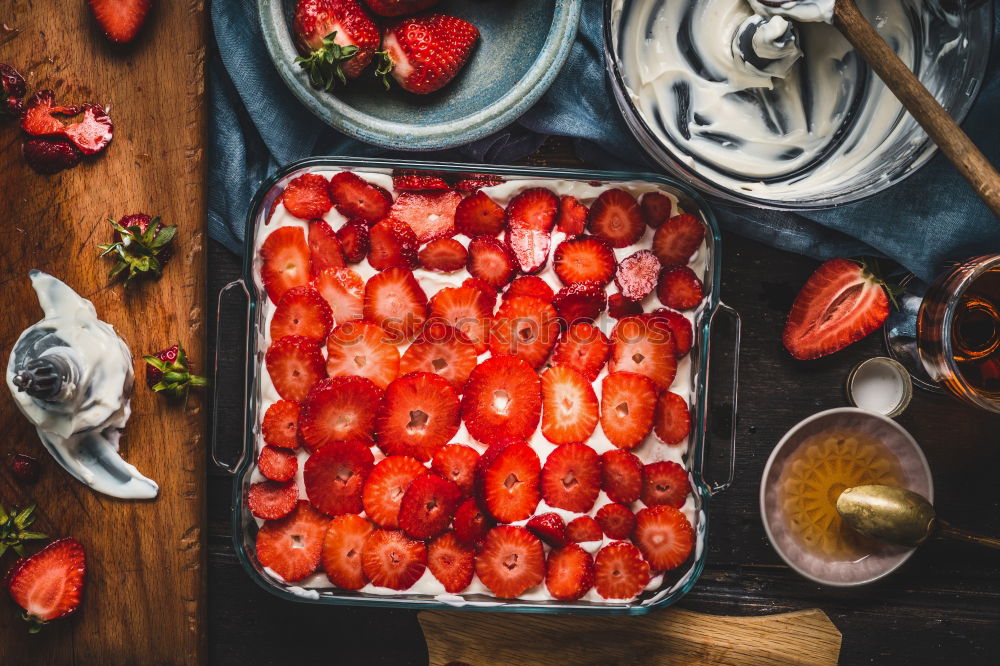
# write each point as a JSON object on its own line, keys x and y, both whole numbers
{"x": 942, "y": 606}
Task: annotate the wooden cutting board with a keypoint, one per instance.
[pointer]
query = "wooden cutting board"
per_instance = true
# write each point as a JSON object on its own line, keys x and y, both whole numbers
{"x": 144, "y": 601}
{"x": 670, "y": 636}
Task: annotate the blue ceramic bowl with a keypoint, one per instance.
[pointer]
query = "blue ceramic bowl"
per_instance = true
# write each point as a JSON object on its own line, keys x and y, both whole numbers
{"x": 523, "y": 45}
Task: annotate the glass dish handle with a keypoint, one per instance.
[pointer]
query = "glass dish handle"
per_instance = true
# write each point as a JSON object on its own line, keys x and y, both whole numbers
{"x": 715, "y": 487}
{"x": 227, "y": 467}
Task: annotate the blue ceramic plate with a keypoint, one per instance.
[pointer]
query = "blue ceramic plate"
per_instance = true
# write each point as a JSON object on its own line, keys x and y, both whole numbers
{"x": 523, "y": 45}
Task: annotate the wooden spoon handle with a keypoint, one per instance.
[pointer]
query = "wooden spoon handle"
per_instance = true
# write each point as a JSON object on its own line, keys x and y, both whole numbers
{"x": 945, "y": 132}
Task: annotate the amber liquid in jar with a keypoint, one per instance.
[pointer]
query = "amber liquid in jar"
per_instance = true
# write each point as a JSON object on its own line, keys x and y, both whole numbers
{"x": 975, "y": 334}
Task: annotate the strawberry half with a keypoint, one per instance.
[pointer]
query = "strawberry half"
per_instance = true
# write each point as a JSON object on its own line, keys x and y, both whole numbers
{"x": 672, "y": 421}
{"x": 665, "y": 483}
{"x": 478, "y": 215}
{"x": 291, "y": 547}
{"x": 306, "y": 196}
{"x": 502, "y": 400}
{"x": 424, "y": 53}
{"x": 457, "y": 463}
{"x": 619, "y": 571}
{"x": 490, "y": 261}
{"x": 451, "y": 561}
{"x": 511, "y": 561}
{"x": 334, "y": 476}
{"x": 49, "y": 584}
{"x": 419, "y": 414}
{"x": 616, "y": 520}
{"x": 572, "y": 218}
{"x": 549, "y": 527}
{"x": 510, "y": 483}
{"x": 358, "y": 349}
{"x": 467, "y": 309}
{"x": 428, "y": 506}
{"x": 656, "y": 208}
{"x": 444, "y": 255}
{"x": 392, "y": 244}
{"x": 580, "y": 302}
{"x": 325, "y": 250}
{"x": 472, "y": 523}
{"x": 664, "y": 536}
{"x": 120, "y": 20}
{"x": 271, "y": 500}
{"x": 354, "y": 241}
{"x": 637, "y": 275}
{"x": 621, "y": 476}
{"x": 442, "y": 350}
{"x": 582, "y": 529}
{"x": 678, "y": 239}
{"x": 294, "y": 364}
{"x": 302, "y": 312}
{"x": 839, "y": 304}
{"x": 680, "y": 288}
{"x": 385, "y": 486}
{"x": 277, "y": 464}
{"x": 643, "y": 345}
{"x": 530, "y": 285}
{"x": 569, "y": 406}
{"x": 355, "y": 197}
{"x": 569, "y": 573}
{"x": 284, "y": 261}
{"x": 431, "y": 215}
{"x": 584, "y": 348}
{"x": 628, "y": 402}
{"x": 571, "y": 478}
{"x": 395, "y": 301}
{"x": 584, "y": 259}
{"x": 616, "y": 218}
{"x": 342, "y": 547}
{"x": 525, "y": 327}
{"x": 392, "y": 559}
{"x": 339, "y": 409}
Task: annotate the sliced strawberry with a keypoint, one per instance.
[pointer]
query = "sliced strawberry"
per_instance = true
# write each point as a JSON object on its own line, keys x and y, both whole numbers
{"x": 680, "y": 329}
{"x": 569, "y": 406}
{"x": 584, "y": 259}
{"x": 444, "y": 255}
{"x": 342, "y": 547}
{"x": 616, "y": 218}
{"x": 678, "y": 239}
{"x": 572, "y": 218}
{"x": 621, "y": 475}
{"x": 616, "y": 520}
{"x": 580, "y": 302}
{"x": 277, "y": 464}
{"x": 534, "y": 208}
{"x": 488, "y": 290}
{"x": 339, "y": 409}
{"x": 525, "y": 327}
{"x": 502, "y": 400}
{"x": 478, "y": 215}
{"x": 620, "y": 307}
{"x": 291, "y": 547}
{"x": 274, "y": 207}
{"x": 569, "y": 573}
{"x": 431, "y": 215}
{"x": 419, "y": 414}
{"x": 619, "y": 571}
{"x": 358, "y": 348}
{"x": 325, "y": 250}
{"x": 90, "y": 135}
{"x": 511, "y": 561}
{"x": 656, "y": 208}
{"x": 392, "y": 559}
{"x": 428, "y": 506}
{"x": 665, "y": 483}
{"x": 451, "y": 561}
{"x": 664, "y": 536}
{"x": 442, "y": 350}
{"x": 584, "y": 348}
{"x": 355, "y": 197}
{"x": 472, "y": 522}
{"x": 510, "y": 483}
{"x": 549, "y": 527}
{"x": 679, "y": 288}
{"x": 280, "y": 426}
{"x": 415, "y": 181}
{"x": 354, "y": 243}
{"x": 395, "y": 301}
{"x": 385, "y": 486}
{"x": 334, "y": 476}
{"x": 530, "y": 248}
{"x": 672, "y": 422}
{"x": 571, "y": 478}
{"x": 303, "y": 312}
{"x": 392, "y": 243}
{"x": 839, "y": 304}
{"x": 468, "y": 309}
{"x": 272, "y": 500}
{"x": 294, "y": 364}
{"x": 637, "y": 275}
{"x": 306, "y": 196}
{"x": 284, "y": 261}
{"x": 49, "y": 584}
{"x": 343, "y": 290}
{"x": 530, "y": 285}
{"x": 491, "y": 453}
{"x": 490, "y": 261}
{"x": 583, "y": 528}
{"x": 475, "y": 181}
{"x": 643, "y": 345}
{"x": 457, "y": 463}
{"x": 628, "y": 401}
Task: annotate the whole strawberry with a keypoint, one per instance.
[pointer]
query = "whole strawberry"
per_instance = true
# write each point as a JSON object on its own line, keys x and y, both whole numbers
{"x": 424, "y": 53}
{"x": 167, "y": 372}
{"x": 399, "y": 7}
{"x": 25, "y": 468}
{"x": 140, "y": 244}
{"x": 13, "y": 87}
{"x": 337, "y": 39}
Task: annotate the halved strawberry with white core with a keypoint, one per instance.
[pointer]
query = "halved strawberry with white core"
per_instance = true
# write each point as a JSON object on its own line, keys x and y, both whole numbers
{"x": 467, "y": 309}
{"x": 343, "y": 290}
{"x": 431, "y": 215}
{"x": 302, "y": 311}
{"x": 478, "y": 215}
{"x": 342, "y": 547}
{"x": 530, "y": 248}
{"x": 580, "y": 302}
{"x": 621, "y": 475}
{"x": 680, "y": 329}
{"x": 444, "y": 255}
{"x": 572, "y": 218}
{"x": 664, "y": 536}
{"x": 354, "y": 241}
{"x": 665, "y": 483}
{"x": 511, "y": 561}
{"x": 395, "y": 301}
{"x": 616, "y": 520}
{"x": 335, "y": 475}
{"x": 549, "y": 527}
{"x": 672, "y": 422}
{"x": 637, "y": 275}
{"x": 306, "y": 196}
{"x": 428, "y": 506}
{"x": 584, "y": 259}
{"x": 530, "y": 285}
{"x": 643, "y": 344}
{"x": 491, "y": 261}
{"x": 442, "y": 350}
{"x": 678, "y": 239}
{"x": 325, "y": 250}
{"x": 457, "y": 463}
{"x": 839, "y": 304}
{"x": 569, "y": 406}
{"x": 616, "y": 218}
{"x": 620, "y": 307}
{"x": 582, "y": 529}
{"x": 339, "y": 409}
{"x": 385, "y": 486}
{"x": 472, "y": 522}
{"x": 392, "y": 559}
{"x": 277, "y": 464}
{"x": 679, "y": 288}
{"x": 419, "y": 414}
{"x": 534, "y": 208}
{"x": 358, "y": 348}
{"x": 619, "y": 571}
{"x": 525, "y": 327}
{"x": 294, "y": 364}
{"x": 510, "y": 483}
{"x": 423, "y": 53}
{"x": 628, "y": 402}
{"x": 656, "y": 208}
{"x": 502, "y": 400}
{"x": 451, "y": 561}
{"x": 291, "y": 547}
{"x": 284, "y": 261}
{"x": 569, "y": 573}
{"x": 280, "y": 426}
{"x": 272, "y": 500}
{"x": 392, "y": 243}
{"x": 584, "y": 348}
{"x": 571, "y": 478}
{"x": 49, "y": 584}
{"x": 356, "y": 198}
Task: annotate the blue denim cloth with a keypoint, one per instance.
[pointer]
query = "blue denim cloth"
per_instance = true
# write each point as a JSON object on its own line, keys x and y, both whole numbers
{"x": 257, "y": 126}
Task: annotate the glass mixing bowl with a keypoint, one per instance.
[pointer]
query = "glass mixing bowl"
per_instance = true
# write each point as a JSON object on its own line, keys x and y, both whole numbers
{"x": 873, "y": 144}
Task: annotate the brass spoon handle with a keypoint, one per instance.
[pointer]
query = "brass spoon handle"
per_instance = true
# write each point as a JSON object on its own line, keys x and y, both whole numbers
{"x": 947, "y": 531}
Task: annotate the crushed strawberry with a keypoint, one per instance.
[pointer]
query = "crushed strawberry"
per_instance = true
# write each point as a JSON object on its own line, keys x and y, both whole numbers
{"x": 50, "y": 156}
{"x": 90, "y": 135}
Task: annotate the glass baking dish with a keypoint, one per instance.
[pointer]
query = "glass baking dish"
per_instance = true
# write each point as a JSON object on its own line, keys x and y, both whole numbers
{"x": 674, "y": 584}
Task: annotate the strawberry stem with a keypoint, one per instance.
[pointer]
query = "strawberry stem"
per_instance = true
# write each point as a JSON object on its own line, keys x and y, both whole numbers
{"x": 384, "y": 67}
{"x": 323, "y": 64}
{"x": 176, "y": 379}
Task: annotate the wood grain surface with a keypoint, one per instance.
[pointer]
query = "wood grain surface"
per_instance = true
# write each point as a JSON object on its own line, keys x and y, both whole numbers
{"x": 144, "y": 600}
{"x": 672, "y": 636}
